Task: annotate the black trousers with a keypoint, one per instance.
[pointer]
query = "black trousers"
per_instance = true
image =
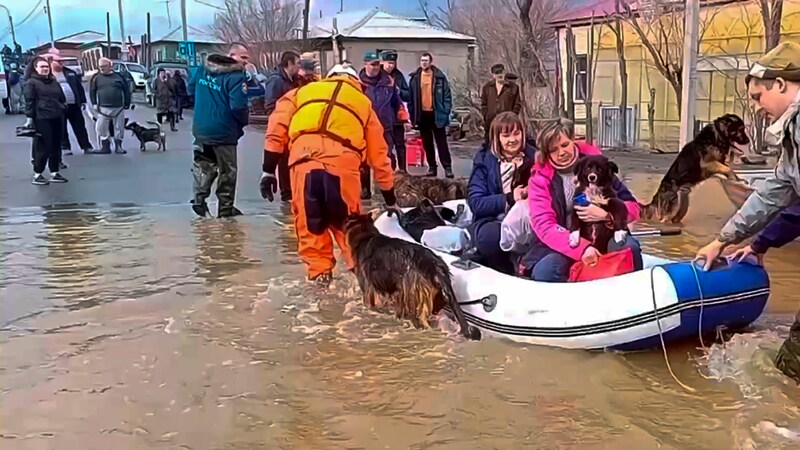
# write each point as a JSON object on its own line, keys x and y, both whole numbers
{"x": 46, "y": 148}
{"x": 74, "y": 116}
{"x": 284, "y": 180}
{"x": 179, "y": 105}
{"x": 399, "y": 135}
{"x": 429, "y": 132}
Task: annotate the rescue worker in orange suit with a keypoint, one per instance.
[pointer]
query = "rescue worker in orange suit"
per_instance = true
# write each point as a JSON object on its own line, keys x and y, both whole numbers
{"x": 329, "y": 129}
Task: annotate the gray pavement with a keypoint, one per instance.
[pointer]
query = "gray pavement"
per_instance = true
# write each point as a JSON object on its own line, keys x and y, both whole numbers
{"x": 135, "y": 178}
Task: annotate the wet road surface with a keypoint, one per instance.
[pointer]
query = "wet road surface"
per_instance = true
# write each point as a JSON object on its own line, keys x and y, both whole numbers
{"x": 128, "y": 323}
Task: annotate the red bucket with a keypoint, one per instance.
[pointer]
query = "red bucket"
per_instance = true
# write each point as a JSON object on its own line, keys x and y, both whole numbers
{"x": 414, "y": 152}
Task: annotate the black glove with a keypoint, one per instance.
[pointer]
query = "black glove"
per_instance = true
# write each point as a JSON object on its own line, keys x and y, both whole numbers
{"x": 268, "y": 185}
{"x": 788, "y": 359}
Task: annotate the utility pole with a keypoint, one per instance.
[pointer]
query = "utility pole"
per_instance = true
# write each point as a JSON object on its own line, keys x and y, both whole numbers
{"x": 11, "y": 24}
{"x": 183, "y": 21}
{"x": 108, "y": 34}
{"x": 306, "y": 8}
{"x": 691, "y": 38}
{"x": 50, "y": 22}
{"x": 124, "y": 55}
{"x": 149, "y": 54}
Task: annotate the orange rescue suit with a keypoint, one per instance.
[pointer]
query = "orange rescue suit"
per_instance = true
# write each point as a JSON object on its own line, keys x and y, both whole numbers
{"x": 330, "y": 129}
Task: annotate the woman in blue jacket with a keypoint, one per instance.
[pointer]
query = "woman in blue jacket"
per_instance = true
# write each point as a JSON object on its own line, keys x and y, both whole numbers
{"x": 492, "y": 191}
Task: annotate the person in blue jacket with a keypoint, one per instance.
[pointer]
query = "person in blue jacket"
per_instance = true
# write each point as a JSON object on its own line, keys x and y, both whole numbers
{"x": 389, "y": 63}
{"x": 385, "y": 96}
{"x": 279, "y": 82}
{"x": 491, "y": 191}
{"x": 221, "y": 113}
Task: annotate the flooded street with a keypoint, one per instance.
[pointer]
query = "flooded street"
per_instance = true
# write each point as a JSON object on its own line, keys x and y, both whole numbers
{"x": 143, "y": 327}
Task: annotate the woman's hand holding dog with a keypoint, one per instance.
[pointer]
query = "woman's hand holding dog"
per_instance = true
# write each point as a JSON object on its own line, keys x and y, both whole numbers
{"x": 592, "y": 213}
{"x": 590, "y": 256}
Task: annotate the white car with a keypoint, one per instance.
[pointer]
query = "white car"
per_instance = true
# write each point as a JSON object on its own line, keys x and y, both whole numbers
{"x": 3, "y": 82}
{"x": 138, "y": 72}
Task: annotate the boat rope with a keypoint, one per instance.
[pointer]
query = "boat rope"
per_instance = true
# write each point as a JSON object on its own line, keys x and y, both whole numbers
{"x": 661, "y": 331}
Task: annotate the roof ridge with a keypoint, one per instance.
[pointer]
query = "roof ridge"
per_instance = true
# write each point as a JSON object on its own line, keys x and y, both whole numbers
{"x": 362, "y": 22}
{"x": 426, "y": 24}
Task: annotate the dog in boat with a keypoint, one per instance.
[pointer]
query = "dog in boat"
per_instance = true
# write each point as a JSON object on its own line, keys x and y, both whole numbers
{"x": 427, "y": 216}
{"x": 405, "y": 277}
{"x": 145, "y": 135}
{"x": 412, "y": 190}
{"x": 704, "y": 157}
{"x": 594, "y": 176}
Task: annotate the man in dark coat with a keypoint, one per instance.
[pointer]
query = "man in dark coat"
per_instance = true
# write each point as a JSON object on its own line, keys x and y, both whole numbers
{"x": 430, "y": 108}
{"x": 279, "y": 82}
{"x": 497, "y": 96}
{"x": 389, "y": 62}
{"x": 385, "y": 97}
{"x": 72, "y": 86}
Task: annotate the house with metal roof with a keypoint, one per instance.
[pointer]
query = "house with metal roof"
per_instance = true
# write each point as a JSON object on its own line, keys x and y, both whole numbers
{"x": 165, "y": 48}
{"x": 69, "y": 46}
{"x": 349, "y": 35}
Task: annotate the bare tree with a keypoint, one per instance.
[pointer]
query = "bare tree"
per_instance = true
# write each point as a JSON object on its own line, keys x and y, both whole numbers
{"x": 771, "y": 14}
{"x": 265, "y": 25}
{"x": 439, "y": 17}
{"x": 662, "y": 35}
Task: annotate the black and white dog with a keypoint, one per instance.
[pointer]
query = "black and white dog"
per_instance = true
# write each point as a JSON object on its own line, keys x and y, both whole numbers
{"x": 146, "y": 135}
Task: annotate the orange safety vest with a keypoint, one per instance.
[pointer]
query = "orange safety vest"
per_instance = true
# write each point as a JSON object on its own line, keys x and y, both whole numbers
{"x": 333, "y": 108}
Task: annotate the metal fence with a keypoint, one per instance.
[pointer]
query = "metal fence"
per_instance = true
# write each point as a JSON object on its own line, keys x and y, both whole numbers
{"x": 610, "y": 124}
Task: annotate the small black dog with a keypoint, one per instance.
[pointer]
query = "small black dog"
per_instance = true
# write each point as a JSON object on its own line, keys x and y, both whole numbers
{"x": 704, "y": 157}
{"x": 409, "y": 278}
{"x": 426, "y": 216}
{"x": 594, "y": 176}
{"x": 146, "y": 135}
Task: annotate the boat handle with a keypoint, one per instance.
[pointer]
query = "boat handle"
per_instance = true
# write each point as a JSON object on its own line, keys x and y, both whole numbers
{"x": 489, "y": 302}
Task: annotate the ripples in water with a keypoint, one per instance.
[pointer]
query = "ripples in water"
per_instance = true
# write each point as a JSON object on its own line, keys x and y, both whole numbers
{"x": 141, "y": 327}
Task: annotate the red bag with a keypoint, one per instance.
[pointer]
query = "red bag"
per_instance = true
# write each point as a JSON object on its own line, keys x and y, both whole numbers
{"x": 608, "y": 265}
{"x": 414, "y": 152}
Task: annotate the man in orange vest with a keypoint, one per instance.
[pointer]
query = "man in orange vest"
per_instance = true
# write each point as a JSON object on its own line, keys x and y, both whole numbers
{"x": 329, "y": 129}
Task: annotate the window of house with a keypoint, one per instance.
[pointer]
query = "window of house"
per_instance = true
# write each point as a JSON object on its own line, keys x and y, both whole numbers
{"x": 581, "y": 78}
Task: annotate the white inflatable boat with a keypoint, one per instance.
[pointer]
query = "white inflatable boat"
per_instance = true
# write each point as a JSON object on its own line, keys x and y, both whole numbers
{"x": 621, "y": 313}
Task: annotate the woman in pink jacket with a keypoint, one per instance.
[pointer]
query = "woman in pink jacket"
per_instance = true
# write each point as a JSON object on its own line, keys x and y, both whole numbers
{"x": 550, "y": 192}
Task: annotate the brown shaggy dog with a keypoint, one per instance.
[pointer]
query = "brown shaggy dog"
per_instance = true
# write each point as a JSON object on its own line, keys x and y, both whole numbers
{"x": 411, "y": 190}
{"x": 704, "y": 157}
{"x": 399, "y": 275}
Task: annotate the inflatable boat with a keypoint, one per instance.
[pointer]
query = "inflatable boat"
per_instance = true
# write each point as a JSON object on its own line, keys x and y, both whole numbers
{"x": 669, "y": 300}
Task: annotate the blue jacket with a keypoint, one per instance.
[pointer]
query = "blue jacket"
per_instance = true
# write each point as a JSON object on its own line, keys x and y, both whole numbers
{"x": 442, "y": 98}
{"x": 402, "y": 84}
{"x": 485, "y": 195}
{"x": 384, "y": 95}
{"x": 220, "y": 101}
{"x": 278, "y": 84}
{"x": 783, "y": 229}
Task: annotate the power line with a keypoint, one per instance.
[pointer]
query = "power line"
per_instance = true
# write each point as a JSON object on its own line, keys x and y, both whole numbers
{"x": 27, "y": 18}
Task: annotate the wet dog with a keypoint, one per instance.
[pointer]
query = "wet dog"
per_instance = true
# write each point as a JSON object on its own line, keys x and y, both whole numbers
{"x": 411, "y": 190}
{"x": 594, "y": 176}
{"x": 405, "y": 277}
{"x": 426, "y": 216}
{"x": 704, "y": 157}
{"x": 146, "y": 135}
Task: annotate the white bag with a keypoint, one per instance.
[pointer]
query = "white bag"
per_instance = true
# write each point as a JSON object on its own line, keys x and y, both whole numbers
{"x": 516, "y": 233}
{"x": 446, "y": 238}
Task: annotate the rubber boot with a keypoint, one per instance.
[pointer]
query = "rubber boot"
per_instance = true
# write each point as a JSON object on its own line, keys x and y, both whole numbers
{"x": 118, "y": 147}
{"x": 433, "y": 171}
{"x": 366, "y": 183}
{"x": 448, "y": 172}
{"x": 105, "y": 148}
{"x": 172, "y": 123}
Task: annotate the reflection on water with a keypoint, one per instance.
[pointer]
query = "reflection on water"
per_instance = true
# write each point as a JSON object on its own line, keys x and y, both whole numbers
{"x": 143, "y": 327}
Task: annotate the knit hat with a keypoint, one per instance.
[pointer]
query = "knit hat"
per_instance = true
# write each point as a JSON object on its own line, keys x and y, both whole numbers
{"x": 370, "y": 56}
{"x": 782, "y": 61}
{"x": 388, "y": 55}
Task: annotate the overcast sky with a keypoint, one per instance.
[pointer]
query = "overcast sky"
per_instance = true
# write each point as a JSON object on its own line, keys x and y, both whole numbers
{"x": 71, "y": 16}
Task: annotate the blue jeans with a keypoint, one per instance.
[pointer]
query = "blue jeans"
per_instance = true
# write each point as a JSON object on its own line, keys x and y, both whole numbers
{"x": 487, "y": 241}
{"x": 554, "y": 267}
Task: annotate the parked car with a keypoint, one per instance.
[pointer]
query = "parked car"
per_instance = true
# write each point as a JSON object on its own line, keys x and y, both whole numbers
{"x": 136, "y": 71}
{"x": 3, "y": 85}
{"x": 72, "y": 63}
{"x": 171, "y": 67}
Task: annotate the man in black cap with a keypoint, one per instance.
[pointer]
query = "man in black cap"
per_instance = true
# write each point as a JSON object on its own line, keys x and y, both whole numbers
{"x": 389, "y": 62}
{"x": 279, "y": 82}
{"x": 497, "y": 96}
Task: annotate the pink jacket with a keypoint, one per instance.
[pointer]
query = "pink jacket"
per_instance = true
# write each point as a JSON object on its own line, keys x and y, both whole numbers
{"x": 544, "y": 219}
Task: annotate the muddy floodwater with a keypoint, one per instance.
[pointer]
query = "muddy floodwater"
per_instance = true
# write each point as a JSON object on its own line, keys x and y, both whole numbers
{"x": 141, "y": 327}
